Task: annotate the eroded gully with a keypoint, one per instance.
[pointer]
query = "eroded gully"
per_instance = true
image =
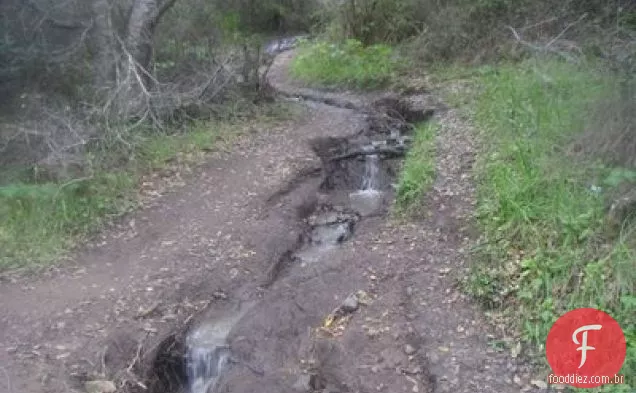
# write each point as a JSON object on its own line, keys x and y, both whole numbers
{"x": 333, "y": 316}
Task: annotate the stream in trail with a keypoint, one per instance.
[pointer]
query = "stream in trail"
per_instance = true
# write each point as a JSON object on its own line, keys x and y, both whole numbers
{"x": 207, "y": 351}
{"x": 358, "y": 185}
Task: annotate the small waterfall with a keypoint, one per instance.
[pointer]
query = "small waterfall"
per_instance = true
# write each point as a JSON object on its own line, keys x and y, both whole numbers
{"x": 368, "y": 199}
{"x": 208, "y": 353}
{"x": 205, "y": 365}
{"x": 371, "y": 170}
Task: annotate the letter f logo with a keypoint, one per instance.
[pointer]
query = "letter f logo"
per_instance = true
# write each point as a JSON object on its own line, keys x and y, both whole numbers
{"x": 584, "y": 348}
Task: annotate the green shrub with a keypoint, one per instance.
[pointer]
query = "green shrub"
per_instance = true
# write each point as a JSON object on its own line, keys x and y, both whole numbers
{"x": 372, "y": 21}
{"x": 348, "y": 64}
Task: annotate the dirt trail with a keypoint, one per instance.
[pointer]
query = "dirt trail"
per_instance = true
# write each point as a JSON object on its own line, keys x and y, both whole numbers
{"x": 219, "y": 239}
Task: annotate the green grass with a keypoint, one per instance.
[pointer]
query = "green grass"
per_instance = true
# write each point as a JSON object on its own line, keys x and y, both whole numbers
{"x": 40, "y": 222}
{"x": 546, "y": 248}
{"x": 347, "y": 64}
{"x": 418, "y": 172}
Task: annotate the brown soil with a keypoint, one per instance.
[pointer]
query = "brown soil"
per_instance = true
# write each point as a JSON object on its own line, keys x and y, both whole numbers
{"x": 223, "y": 238}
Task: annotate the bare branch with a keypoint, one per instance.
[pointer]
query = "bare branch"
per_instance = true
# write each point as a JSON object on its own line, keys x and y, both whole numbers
{"x": 163, "y": 8}
{"x": 565, "y": 30}
{"x": 54, "y": 22}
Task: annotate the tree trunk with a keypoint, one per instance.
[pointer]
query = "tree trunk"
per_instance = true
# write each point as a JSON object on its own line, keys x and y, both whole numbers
{"x": 104, "y": 47}
{"x": 143, "y": 17}
{"x": 141, "y": 25}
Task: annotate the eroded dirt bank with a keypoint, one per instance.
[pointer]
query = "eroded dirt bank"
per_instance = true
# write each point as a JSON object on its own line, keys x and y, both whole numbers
{"x": 228, "y": 238}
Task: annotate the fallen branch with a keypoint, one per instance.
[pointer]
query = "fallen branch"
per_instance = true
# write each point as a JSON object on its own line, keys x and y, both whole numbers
{"x": 548, "y": 47}
{"x": 565, "y": 30}
{"x": 390, "y": 152}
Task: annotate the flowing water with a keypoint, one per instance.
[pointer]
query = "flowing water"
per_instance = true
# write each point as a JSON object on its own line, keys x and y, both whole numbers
{"x": 371, "y": 169}
{"x": 368, "y": 199}
{"x": 208, "y": 353}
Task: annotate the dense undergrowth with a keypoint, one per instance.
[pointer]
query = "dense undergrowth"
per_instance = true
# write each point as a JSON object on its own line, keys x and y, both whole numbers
{"x": 547, "y": 246}
{"x": 42, "y": 220}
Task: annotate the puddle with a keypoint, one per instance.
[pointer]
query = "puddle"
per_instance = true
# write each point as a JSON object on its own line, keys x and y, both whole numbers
{"x": 331, "y": 234}
{"x": 283, "y": 44}
{"x": 367, "y": 202}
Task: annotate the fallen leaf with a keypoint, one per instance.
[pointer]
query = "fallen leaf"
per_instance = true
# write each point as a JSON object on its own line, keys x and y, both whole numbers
{"x": 516, "y": 350}
{"x": 539, "y": 383}
{"x": 100, "y": 387}
{"x": 328, "y": 321}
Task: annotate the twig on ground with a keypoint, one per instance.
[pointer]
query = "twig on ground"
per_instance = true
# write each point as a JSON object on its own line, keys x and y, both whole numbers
{"x": 103, "y": 360}
{"x": 6, "y": 373}
{"x": 68, "y": 183}
{"x": 137, "y": 357}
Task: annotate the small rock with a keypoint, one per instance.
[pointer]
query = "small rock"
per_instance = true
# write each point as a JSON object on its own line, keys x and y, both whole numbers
{"x": 350, "y": 304}
{"x": 375, "y": 369}
{"x": 539, "y": 383}
{"x": 409, "y": 291}
{"x": 517, "y": 380}
{"x": 100, "y": 387}
{"x": 303, "y": 384}
{"x": 409, "y": 350}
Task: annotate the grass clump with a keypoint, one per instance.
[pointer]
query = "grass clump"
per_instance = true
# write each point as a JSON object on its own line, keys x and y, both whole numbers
{"x": 40, "y": 221}
{"x": 418, "y": 172}
{"x": 347, "y": 64}
{"x": 37, "y": 219}
{"x": 546, "y": 248}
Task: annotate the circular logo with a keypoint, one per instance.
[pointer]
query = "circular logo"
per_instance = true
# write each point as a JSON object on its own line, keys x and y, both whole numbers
{"x": 586, "y": 348}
